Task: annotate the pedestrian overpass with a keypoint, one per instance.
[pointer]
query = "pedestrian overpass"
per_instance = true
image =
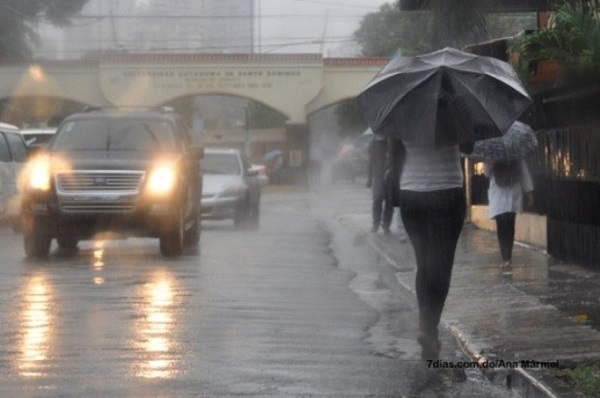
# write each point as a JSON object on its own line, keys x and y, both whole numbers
{"x": 295, "y": 85}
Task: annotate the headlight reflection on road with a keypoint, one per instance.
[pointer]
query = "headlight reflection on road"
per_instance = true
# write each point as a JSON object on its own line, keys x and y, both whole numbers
{"x": 35, "y": 323}
{"x": 157, "y": 328}
{"x": 98, "y": 260}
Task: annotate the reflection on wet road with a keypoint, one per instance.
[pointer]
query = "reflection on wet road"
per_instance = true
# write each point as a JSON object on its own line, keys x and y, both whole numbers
{"x": 264, "y": 313}
{"x": 155, "y": 328}
{"x": 35, "y": 323}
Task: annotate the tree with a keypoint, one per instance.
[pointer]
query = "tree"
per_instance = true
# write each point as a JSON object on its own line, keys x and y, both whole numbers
{"x": 458, "y": 23}
{"x": 18, "y": 19}
{"x": 388, "y": 30}
{"x": 419, "y": 26}
{"x": 425, "y": 26}
{"x": 350, "y": 118}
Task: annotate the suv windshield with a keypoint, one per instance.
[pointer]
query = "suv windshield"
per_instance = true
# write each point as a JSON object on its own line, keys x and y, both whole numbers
{"x": 115, "y": 134}
{"x": 220, "y": 163}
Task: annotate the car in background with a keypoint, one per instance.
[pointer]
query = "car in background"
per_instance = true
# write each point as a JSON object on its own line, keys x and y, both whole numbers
{"x": 231, "y": 189}
{"x": 344, "y": 165}
{"x": 263, "y": 178}
{"x": 13, "y": 156}
{"x": 128, "y": 172}
{"x": 352, "y": 158}
{"x": 37, "y": 139}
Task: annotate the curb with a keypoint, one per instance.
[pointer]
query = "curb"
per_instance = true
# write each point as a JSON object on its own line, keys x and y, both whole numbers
{"x": 516, "y": 379}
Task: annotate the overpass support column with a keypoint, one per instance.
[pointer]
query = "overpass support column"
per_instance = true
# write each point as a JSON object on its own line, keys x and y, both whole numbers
{"x": 297, "y": 143}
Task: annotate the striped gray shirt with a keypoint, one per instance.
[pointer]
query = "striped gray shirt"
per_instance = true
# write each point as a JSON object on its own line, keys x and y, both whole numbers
{"x": 428, "y": 169}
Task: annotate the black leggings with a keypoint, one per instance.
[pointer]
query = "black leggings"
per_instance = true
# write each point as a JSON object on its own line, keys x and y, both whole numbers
{"x": 505, "y": 227}
{"x": 433, "y": 221}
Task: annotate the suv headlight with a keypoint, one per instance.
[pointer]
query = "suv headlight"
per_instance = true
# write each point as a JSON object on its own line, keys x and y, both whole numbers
{"x": 39, "y": 174}
{"x": 162, "y": 179}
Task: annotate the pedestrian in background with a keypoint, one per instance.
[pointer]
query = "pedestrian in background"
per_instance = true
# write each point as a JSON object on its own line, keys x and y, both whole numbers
{"x": 382, "y": 207}
{"x": 395, "y": 159}
{"x": 433, "y": 208}
{"x": 509, "y": 182}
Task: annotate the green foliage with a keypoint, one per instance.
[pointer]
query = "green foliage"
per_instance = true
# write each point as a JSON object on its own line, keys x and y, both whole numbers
{"x": 573, "y": 40}
{"x": 18, "y": 19}
{"x": 458, "y": 23}
{"x": 385, "y": 32}
{"x": 350, "y": 118}
{"x": 441, "y": 23}
{"x": 585, "y": 378}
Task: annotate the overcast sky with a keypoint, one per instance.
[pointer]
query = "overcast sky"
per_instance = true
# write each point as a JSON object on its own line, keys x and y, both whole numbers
{"x": 301, "y": 25}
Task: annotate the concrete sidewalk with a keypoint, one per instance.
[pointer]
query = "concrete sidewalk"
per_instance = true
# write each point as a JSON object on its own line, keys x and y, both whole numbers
{"x": 539, "y": 313}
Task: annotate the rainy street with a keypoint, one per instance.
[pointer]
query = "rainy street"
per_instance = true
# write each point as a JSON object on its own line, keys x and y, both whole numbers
{"x": 297, "y": 308}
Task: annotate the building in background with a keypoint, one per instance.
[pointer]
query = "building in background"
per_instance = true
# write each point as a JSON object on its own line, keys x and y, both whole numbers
{"x": 162, "y": 26}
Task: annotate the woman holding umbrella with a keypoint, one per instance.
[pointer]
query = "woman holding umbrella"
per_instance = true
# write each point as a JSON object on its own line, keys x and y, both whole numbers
{"x": 433, "y": 208}
{"x": 438, "y": 105}
{"x": 509, "y": 182}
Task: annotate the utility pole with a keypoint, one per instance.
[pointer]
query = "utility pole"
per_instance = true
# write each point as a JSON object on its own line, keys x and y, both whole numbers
{"x": 113, "y": 32}
{"x": 256, "y": 26}
{"x": 259, "y": 22}
{"x": 247, "y": 138}
{"x": 324, "y": 35}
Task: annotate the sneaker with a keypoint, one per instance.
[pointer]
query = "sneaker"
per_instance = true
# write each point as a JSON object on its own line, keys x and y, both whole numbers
{"x": 386, "y": 230}
{"x": 374, "y": 229}
{"x": 506, "y": 268}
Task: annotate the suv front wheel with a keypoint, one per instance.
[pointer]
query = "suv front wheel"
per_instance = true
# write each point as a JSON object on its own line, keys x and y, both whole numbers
{"x": 172, "y": 235}
{"x": 36, "y": 236}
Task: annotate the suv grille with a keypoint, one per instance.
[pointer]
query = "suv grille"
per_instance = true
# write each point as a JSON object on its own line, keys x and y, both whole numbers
{"x": 98, "y": 191}
{"x": 105, "y": 181}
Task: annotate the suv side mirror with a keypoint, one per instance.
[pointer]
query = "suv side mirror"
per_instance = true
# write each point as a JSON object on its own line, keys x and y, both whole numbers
{"x": 197, "y": 152}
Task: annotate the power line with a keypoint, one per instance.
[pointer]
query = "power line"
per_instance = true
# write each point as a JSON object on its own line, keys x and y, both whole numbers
{"x": 338, "y": 4}
{"x": 277, "y": 16}
{"x": 203, "y": 49}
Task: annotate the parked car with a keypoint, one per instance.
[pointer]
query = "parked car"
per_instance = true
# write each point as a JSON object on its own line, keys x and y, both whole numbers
{"x": 13, "y": 155}
{"x": 344, "y": 164}
{"x": 352, "y": 159}
{"x": 129, "y": 172}
{"x": 232, "y": 187}
{"x": 37, "y": 139}
{"x": 263, "y": 178}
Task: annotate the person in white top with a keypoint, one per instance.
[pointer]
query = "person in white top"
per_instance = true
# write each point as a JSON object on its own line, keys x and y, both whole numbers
{"x": 433, "y": 208}
{"x": 509, "y": 183}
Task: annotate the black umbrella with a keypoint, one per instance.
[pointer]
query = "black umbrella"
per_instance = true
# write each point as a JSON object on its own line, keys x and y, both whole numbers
{"x": 444, "y": 98}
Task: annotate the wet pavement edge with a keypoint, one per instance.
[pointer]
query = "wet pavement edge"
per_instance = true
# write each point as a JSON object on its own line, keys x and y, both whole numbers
{"x": 529, "y": 383}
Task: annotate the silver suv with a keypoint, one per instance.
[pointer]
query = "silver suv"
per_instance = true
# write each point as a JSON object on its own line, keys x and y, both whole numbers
{"x": 13, "y": 154}
{"x": 123, "y": 171}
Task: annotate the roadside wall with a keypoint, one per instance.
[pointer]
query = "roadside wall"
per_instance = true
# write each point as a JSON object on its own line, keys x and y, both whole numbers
{"x": 530, "y": 228}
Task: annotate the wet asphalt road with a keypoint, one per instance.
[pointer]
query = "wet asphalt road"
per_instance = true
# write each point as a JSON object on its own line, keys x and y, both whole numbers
{"x": 294, "y": 309}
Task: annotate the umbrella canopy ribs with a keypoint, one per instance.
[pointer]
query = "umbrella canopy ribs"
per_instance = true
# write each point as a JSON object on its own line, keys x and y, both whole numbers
{"x": 444, "y": 98}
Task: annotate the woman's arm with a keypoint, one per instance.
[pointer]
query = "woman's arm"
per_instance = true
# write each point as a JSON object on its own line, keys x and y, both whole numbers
{"x": 526, "y": 180}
